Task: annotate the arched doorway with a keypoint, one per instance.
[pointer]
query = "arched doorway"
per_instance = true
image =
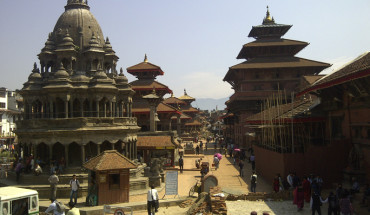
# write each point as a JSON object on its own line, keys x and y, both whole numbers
{"x": 118, "y": 146}
{"x": 58, "y": 151}
{"x": 105, "y": 146}
{"x": 42, "y": 151}
{"x": 91, "y": 150}
{"x": 74, "y": 155}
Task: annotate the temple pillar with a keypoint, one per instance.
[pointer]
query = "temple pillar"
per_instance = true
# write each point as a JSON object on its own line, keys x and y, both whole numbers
{"x": 121, "y": 110}
{"x": 170, "y": 124}
{"x": 126, "y": 150}
{"x": 105, "y": 109}
{"x": 110, "y": 109}
{"x": 178, "y": 125}
{"x": 71, "y": 111}
{"x": 112, "y": 146}
{"x": 130, "y": 111}
{"x": 82, "y": 108}
{"x": 97, "y": 109}
{"x": 51, "y": 110}
{"x": 66, "y": 108}
{"x": 66, "y": 156}
{"x": 90, "y": 114}
{"x": 135, "y": 150}
{"x": 127, "y": 109}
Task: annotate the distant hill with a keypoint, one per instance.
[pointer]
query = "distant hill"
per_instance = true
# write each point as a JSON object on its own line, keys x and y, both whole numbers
{"x": 210, "y": 104}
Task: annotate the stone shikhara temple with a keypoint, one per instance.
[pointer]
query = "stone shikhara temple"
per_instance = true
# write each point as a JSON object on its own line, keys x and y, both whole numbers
{"x": 76, "y": 105}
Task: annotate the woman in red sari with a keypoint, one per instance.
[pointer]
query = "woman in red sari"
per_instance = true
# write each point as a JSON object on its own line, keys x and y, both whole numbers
{"x": 306, "y": 189}
{"x": 298, "y": 197}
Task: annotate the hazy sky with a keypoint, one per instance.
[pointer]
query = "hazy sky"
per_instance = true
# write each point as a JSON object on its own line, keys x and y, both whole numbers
{"x": 193, "y": 41}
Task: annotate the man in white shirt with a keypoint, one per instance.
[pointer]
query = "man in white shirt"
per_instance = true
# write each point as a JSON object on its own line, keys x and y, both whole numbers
{"x": 74, "y": 184}
{"x": 152, "y": 200}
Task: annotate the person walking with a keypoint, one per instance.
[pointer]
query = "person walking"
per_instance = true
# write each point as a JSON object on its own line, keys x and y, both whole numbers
{"x": 181, "y": 164}
{"x": 216, "y": 162}
{"x": 345, "y": 204}
{"x": 53, "y": 180}
{"x": 333, "y": 208}
{"x": 75, "y": 185}
{"x": 18, "y": 170}
{"x": 298, "y": 194}
{"x": 316, "y": 203}
{"x": 253, "y": 182}
{"x": 241, "y": 165}
{"x": 152, "y": 201}
{"x": 253, "y": 161}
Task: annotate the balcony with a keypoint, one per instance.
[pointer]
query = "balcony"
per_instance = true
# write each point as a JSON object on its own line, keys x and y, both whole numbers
{"x": 75, "y": 123}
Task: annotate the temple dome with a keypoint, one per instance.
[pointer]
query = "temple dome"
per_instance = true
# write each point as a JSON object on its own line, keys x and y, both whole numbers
{"x": 78, "y": 20}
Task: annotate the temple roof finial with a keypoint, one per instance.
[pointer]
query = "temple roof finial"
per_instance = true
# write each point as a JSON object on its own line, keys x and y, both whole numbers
{"x": 185, "y": 92}
{"x": 268, "y": 19}
{"x": 146, "y": 59}
{"x": 121, "y": 71}
{"x": 35, "y": 69}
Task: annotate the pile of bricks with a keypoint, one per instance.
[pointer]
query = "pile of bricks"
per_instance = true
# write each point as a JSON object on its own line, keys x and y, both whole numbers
{"x": 218, "y": 204}
{"x": 283, "y": 195}
{"x": 202, "y": 209}
{"x": 186, "y": 203}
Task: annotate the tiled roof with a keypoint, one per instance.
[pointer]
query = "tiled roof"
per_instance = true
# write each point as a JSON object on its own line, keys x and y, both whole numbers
{"x": 358, "y": 68}
{"x": 109, "y": 160}
{"x": 312, "y": 78}
{"x": 278, "y": 62}
{"x": 143, "y": 107}
{"x": 154, "y": 141}
{"x": 275, "y": 42}
{"x": 186, "y": 97}
{"x": 189, "y": 109}
{"x": 193, "y": 123}
{"x": 182, "y": 116}
{"x": 145, "y": 84}
{"x": 144, "y": 66}
{"x": 174, "y": 100}
{"x": 282, "y": 112}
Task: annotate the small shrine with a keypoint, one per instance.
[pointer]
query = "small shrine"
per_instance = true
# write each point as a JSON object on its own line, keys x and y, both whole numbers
{"x": 109, "y": 176}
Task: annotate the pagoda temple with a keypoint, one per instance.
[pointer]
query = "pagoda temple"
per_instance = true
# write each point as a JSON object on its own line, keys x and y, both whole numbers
{"x": 189, "y": 123}
{"x": 146, "y": 73}
{"x": 270, "y": 68}
{"x": 77, "y": 105}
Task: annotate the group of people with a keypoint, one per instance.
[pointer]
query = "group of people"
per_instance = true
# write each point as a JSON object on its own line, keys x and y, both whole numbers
{"x": 308, "y": 189}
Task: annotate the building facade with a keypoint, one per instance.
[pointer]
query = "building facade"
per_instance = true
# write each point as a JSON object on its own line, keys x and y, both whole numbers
{"x": 270, "y": 67}
{"x": 76, "y": 105}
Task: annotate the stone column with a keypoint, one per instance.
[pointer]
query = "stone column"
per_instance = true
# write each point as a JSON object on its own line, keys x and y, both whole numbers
{"x": 82, "y": 108}
{"x": 110, "y": 109}
{"x": 152, "y": 115}
{"x": 130, "y": 109}
{"x": 121, "y": 109}
{"x": 126, "y": 149}
{"x": 105, "y": 109}
{"x": 98, "y": 149}
{"x": 82, "y": 154}
{"x": 127, "y": 109}
{"x": 66, "y": 108}
{"x": 135, "y": 150}
{"x": 72, "y": 109}
{"x": 178, "y": 125}
{"x": 66, "y": 156}
{"x": 170, "y": 124}
{"x": 51, "y": 109}
{"x": 97, "y": 109}
{"x": 90, "y": 114}
{"x": 112, "y": 146}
